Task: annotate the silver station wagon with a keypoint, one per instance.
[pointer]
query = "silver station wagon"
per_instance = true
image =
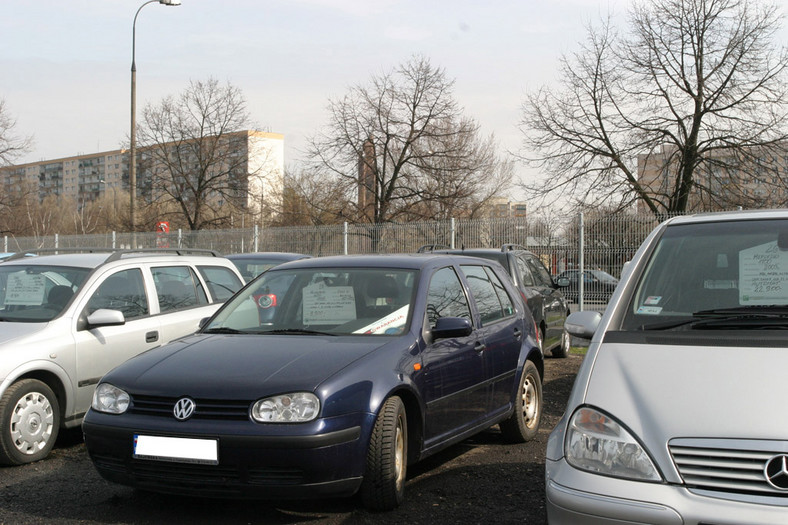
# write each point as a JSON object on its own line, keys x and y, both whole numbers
{"x": 67, "y": 319}
{"x": 675, "y": 414}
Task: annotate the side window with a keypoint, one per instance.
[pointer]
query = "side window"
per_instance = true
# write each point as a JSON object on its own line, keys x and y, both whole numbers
{"x": 446, "y": 297}
{"x": 123, "y": 291}
{"x": 541, "y": 275}
{"x": 222, "y": 282}
{"x": 525, "y": 274}
{"x": 177, "y": 288}
{"x": 491, "y": 298}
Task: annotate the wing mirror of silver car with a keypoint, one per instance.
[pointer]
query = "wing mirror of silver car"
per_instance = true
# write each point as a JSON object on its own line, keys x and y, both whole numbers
{"x": 105, "y": 317}
{"x": 583, "y": 324}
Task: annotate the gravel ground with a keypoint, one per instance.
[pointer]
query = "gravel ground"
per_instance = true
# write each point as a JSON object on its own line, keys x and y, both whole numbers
{"x": 477, "y": 481}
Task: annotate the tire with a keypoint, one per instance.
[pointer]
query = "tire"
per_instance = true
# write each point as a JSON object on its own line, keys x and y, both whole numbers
{"x": 30, "y": 419}
{"x": 383, "y": 487}
{"x": 562, "y": 350}
{"x": 523, "y": 424}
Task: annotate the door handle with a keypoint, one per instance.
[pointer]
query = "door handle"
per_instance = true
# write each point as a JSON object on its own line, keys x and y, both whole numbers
{"x": 480, "y": 347}
{"x": 518, "y": 334}
{"x": 152, "y": 337}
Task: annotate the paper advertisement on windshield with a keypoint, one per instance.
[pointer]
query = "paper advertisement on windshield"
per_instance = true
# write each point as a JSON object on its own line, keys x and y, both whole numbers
{"x": 328, "y": 304}
{"x": 25, "y": 289}
{"x": 763, "y": 275}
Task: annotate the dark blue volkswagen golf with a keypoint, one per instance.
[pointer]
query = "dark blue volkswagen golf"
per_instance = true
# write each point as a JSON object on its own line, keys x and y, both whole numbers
{"x": 325, "y": 377}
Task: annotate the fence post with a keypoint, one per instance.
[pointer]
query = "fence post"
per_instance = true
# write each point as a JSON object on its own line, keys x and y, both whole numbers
{"x": 256, "y": 238}
{"x": 452, "y": 233}
{"x": 180, "y": 237}
{"x": 581, "y": 255}
{"x": 114, "y": 239}
{"x": 57, "y": 242}
{"x": 5, "y": 243}
{"x": 344, "y": 237}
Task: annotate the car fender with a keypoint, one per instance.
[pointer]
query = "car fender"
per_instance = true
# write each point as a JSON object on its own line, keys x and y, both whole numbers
{"x": 51, "y": 373}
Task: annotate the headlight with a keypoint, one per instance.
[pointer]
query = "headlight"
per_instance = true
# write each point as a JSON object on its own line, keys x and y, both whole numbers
{"x": 110, "y": 399}
{"x": 595, "y": 442}
{"x": 287, "y": 408}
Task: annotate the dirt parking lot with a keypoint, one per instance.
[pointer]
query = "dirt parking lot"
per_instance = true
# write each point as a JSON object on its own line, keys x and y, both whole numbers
{"x": 480, "y": 480}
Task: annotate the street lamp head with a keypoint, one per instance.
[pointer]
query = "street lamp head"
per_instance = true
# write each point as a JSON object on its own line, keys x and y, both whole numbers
{"x": 170, "y": 2}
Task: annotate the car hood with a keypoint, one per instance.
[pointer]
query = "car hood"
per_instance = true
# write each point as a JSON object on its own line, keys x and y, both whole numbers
{"x": 661, "y": 392}
{"x": 240, "y": 366}
{"x": 10, "y": 331}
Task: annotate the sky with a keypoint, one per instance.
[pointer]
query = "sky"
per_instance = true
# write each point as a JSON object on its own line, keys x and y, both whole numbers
{"x": 66, "y": 64}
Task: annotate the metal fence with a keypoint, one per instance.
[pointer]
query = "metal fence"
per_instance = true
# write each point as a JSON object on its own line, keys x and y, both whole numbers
{"x": 590, "y": 241}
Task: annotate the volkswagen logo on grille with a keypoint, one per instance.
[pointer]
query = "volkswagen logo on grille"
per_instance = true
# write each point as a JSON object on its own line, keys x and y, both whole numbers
{"x": 776, "y": 472}
{"x": 184, "y": 409}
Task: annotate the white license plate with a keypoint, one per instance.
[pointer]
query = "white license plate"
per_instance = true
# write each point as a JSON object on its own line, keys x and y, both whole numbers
{"x": 182, "y": 450}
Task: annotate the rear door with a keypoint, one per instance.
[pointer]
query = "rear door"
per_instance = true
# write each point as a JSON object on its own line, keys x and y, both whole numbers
{"x": 503, "y": 331}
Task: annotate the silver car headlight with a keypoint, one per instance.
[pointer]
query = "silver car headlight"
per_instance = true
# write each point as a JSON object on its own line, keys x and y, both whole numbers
{"x": 110, "y": 399}
{"x": 597, "y": 443}
{"x": 298, "y": 407}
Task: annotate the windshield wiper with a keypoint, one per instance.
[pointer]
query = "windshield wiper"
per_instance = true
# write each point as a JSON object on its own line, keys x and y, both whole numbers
{"x": 296, "y": 331}
{"x": 771, "y": 317}
{"x": 223, "y": 330}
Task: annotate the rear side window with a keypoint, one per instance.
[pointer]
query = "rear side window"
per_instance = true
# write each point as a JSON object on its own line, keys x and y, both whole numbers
{"x": 222, "y": 282}
{"x": 177, "y": 288}
{"x": 489, "y": 293}
{"x": 446, "y": 297}
{"x": 541, "y": 275}
{"x": 123, "y": 291}
{"x": 525, "y": 273}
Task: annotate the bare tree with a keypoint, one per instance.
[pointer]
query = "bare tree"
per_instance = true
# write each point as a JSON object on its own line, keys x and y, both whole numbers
{"x": 692, "y": 101}
{"x": 402, "y": 150}
{"x": 11, "y": 145}
{"x": 190, "y": 157}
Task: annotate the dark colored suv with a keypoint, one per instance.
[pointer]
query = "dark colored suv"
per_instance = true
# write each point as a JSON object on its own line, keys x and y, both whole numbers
{"x": 542, "y": 295}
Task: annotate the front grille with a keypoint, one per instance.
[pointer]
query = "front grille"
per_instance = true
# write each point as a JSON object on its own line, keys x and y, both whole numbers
{"x": 235, "y": 410}
{"x": 729, "y": 467}
{"x": 211, "y": 478}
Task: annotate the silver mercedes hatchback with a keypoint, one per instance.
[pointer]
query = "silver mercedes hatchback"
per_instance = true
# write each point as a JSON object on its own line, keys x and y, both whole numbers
{"x": 675, "y": 416}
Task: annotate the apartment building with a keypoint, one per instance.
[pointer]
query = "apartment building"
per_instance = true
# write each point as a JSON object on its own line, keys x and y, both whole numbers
{"x": 756, "y": 180}
{"x": 255, "y": 158}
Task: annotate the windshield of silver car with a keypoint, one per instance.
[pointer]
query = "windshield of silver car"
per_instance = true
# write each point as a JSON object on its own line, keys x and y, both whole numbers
{"x": 715, "y": 275}
{"x": 37, "y": 293}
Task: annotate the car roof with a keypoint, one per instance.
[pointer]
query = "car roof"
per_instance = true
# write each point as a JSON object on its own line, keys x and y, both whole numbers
{"x": 284, "y": 256}
{"x": 413, "y": 261}
{"x": 739, "y": 215}
{"x": 99, "y": 258}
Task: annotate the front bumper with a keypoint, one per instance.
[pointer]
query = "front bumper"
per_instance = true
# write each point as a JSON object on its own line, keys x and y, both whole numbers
{"x": 312, "y": 460}
{"x": 581, "y": 498}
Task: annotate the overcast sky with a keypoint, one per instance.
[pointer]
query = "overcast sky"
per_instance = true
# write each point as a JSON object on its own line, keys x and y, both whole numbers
{"x": 65, "y": 65}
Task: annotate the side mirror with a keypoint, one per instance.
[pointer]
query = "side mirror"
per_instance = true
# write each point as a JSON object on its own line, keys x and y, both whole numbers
{"x": 562, "y": 282}
{"x": 447, "y": 327}
{"x": 583, "y": 324}
{"x": 104, "y": 317}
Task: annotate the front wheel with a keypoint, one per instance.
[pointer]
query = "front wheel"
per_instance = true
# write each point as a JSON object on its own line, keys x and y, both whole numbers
{"x": 383, "y": 487}
{"x": 523, "y": 424}
{"x": 30, "y": 419}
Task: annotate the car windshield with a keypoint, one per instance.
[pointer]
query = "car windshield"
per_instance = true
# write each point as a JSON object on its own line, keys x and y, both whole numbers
{"x": 715, "y": 275}
{"x": 37, "y": 293}
{"x": 336, "y": 301}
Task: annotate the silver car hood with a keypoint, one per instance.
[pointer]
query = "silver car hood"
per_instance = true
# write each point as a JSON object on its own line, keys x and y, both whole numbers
{"x": 661, "y": 392}
{"x": 11, "y": 331}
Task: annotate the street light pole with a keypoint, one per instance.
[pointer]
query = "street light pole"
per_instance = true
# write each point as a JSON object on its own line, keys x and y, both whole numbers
{"x": 133, "y": 144}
